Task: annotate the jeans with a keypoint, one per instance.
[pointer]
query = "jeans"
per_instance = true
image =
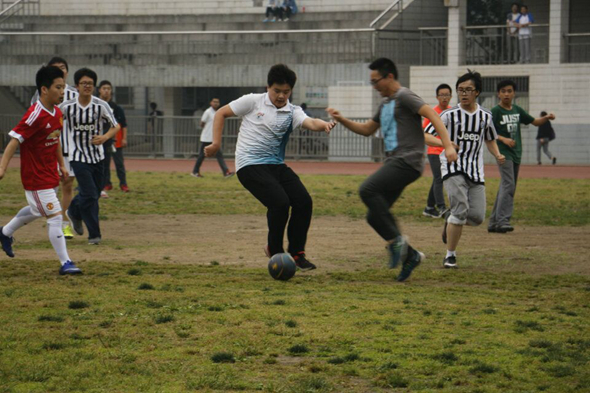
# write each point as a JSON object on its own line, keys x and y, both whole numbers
{"x": 545, "y": 147}
{"x": 504, "y": 205}
{"x": 279, "y": 189}
{"x": 379, "y": 192}
{"x": 84, "y": 206}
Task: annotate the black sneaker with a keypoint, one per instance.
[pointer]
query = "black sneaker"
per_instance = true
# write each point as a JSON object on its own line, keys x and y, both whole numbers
{"x": 431, "y": 212}
{"x": 412, "y": 262}
{"x": 493, "y": 229}
{"x": 450, "y": 263}
{"x": 505, "y": 228}
{"x": 444, "y": 232}
{"x": 6, "y": 243}
{"x": 302, "y": 263}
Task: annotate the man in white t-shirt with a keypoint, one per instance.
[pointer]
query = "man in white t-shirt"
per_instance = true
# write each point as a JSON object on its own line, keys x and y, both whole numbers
{"x": 267, "y": 121}
{"x": 207, "y": 138}
{"x": 512, "y": 33}
{"x": 525, "y": 33}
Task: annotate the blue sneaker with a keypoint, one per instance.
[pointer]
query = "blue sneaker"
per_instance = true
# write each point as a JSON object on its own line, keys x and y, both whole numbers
{"x": 412, "y": 262}
{"x": 69, "y": 268}
{"x": 6, "y": 243}
{"x": 398, "y": 251}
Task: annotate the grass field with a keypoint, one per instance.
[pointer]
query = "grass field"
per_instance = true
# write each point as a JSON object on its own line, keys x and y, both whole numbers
{"x": 515, "y": 319}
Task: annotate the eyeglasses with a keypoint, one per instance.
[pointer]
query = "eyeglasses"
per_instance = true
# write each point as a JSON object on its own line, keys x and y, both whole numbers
{"x": 376, "y": 81}
{"x": 444, "y": 95}
{"x": 465, "y": 91}
{"x": 86, "y": 84}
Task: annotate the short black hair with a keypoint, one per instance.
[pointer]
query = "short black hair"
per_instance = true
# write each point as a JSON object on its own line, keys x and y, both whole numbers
{"x": 443, "y": 86}
{"x": 505, "y": 83}
{"x": 471, "y": 76}
{"x": 303, "y": 106}
{"x": 384, "y": 66}
{"x": 82, "y": 72}
{"x": 281, "y": 74}
{"x": 46, "y": 75}
{"x": 153, "y": 105}
{"x": 58, "y": 60}
{"x": 515, "y": 4}
{"x": 105, "y": 82}
{"x": 543, "y": 113}
{"x": 525, "y": 6}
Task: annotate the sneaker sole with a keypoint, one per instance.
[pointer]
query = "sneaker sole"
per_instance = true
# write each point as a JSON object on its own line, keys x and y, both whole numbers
{"x": 430, "y": 215}
{"x": 306, "y": 269}
{"x": 70, "y": 273}
{"x": 449, "y": 266}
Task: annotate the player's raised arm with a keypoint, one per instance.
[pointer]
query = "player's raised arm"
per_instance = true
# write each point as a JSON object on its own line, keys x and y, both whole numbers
{"x": 7, "y": 156}
{"x": 366, "y": 129}
{"x": 218, "y": 124}
{"x": 318, "y": 125}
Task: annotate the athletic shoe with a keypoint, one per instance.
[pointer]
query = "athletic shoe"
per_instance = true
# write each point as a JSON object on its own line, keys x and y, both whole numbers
{"x": 444, "y": 232}
{"x": 68, "y": 234}
{"x": 286, "y": 20}
{"x": 69, "y": 268}
{"x": 493, "y": 229}
{"x": 95, "y": 241}
{"x": 76, "y": 224}
{"x": 197, "y": 175}
{"x": 124, "y": 188}
{"x": 504, "y": 228}
{"x": 412, "y": 261}
{"x": 108, "y": 187}
{"x": 267, "y": 251}
{"x": 431, "y": 212}
{"x": 554, "y": 160}
{"x": 103, "y": 194}
{"x": 229, "y": 174}
{"x": 302, "y": 263}
{"x": 398, "y": 251}
{"x": 264, "y": 21}
{"x": 6, "y": 243}
{"x": 450, "y": 263}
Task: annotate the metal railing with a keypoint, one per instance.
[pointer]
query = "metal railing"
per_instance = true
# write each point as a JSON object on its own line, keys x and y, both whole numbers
{"x": 494, "y": 45}
{"x": 178, "y": 137}
{"x": 21, "y": 8}
{"x": 433, "y": 45}
{"x": 578, "y": 47}
{"x": 399, "y": 45}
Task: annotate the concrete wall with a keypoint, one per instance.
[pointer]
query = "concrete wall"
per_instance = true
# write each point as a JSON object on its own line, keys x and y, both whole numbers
{"x": 190, "y": 7}
{"x": 560, "y": 89}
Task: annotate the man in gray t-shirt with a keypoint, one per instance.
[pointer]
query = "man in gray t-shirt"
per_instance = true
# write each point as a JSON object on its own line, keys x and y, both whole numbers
{"x": 399, "y": 117}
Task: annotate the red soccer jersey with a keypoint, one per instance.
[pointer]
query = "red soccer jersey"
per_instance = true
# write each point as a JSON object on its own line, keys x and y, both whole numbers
{"x": 38, "y": 133}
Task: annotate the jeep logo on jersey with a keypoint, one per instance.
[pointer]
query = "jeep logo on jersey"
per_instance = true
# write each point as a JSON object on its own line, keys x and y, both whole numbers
{"x": 54, "y": 134}
{"x": 85, "y": 127}
{"x": 468, "y": 137}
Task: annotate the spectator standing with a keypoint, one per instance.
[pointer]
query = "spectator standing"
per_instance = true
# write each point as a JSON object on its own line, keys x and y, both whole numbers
{"x": 435, "y": 205}
{"x": 525, "y": 33}
{"x": 545, "y": 135}
{"x": 105, "y": 92}
{"x": 207, "y": 139}
{"x": 155, "y": 123}
{"x": 512, "y": 33}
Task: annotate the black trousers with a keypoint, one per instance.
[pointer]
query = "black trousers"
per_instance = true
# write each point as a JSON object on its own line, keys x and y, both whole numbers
{"x": 279, "y": 189}
{"x": 201, "y": 158}
{"x": 381, "y": 190}
{"x": 119, "y": 164}
{"x": 84, "y": 206}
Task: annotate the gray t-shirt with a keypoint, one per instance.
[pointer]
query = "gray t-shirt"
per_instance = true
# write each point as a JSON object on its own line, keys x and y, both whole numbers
{"x": 401, "y": 126}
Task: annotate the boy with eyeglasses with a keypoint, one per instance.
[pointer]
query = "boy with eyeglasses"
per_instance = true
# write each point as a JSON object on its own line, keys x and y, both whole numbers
{"x": 435, "y": 204}
{"x": 469, "y": 127}
{"x": 400, "y": 120}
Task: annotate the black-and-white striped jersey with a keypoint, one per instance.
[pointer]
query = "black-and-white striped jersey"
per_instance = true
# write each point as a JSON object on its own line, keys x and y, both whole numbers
{"x": 70, "y": 93}
{"x": 83, "y": 123}
{"x": 469, "y": 131}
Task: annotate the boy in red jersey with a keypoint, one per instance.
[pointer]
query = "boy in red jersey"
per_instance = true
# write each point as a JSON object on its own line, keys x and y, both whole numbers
{"x": 38, "y": 134}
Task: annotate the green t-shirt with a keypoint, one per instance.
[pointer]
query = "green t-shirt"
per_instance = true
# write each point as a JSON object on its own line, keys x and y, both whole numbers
{"x": 507, "y": 123}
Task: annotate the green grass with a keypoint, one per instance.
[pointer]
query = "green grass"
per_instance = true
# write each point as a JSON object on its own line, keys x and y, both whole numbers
{"x": 348, "y": 331}
{"x": 538, "y": 201}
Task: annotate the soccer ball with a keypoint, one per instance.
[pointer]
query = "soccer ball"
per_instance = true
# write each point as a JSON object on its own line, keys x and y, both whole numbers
{"x": 282, "y": 267}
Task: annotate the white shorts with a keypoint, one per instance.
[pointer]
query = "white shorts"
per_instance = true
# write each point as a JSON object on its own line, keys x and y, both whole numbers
{"x": 68, "y": 167}
{"x": 43, "y": 203}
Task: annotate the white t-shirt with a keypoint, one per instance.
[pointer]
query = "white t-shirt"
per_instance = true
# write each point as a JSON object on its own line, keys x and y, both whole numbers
{"x": 265, "y": 129}
{"x": 525, "y": 31}
{"x": 207, "y": 118}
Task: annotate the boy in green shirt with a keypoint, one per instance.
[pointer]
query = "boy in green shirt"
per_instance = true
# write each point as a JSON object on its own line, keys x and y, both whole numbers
{"x": 507, "y": 119}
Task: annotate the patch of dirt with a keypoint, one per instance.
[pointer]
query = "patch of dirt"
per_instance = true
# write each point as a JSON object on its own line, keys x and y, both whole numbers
{"x": 334, "y": 243}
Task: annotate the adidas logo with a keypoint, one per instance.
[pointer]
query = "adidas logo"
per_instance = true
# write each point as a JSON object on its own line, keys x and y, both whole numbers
{"x": 48, "y": 126}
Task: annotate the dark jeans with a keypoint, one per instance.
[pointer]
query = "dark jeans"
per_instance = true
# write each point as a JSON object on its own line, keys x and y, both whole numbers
{"x": 380, "y": 190}
{"x": 436, "y": 196}
{"x": 283, "y": 13}
{"x": 84, "y": 206}
{"x": 201, "y": 157}
{"x": 270, "y": 11}
{"x": 119, "y": 165}
{"x": 279, "y": 189}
